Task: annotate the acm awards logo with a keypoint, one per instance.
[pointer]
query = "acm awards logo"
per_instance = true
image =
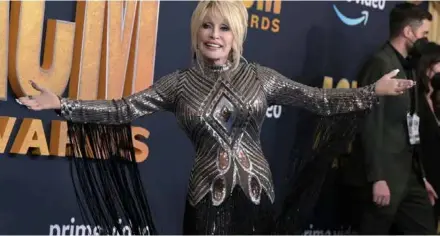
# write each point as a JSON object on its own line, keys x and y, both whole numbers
{"x": 264, "y": 14}
{"x": 69, "y": 64}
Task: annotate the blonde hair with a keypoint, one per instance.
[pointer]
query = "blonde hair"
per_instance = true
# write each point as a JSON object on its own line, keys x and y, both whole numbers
{"x": 235, "y": 14}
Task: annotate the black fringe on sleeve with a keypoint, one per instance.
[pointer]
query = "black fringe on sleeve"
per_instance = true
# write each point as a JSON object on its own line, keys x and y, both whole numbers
{"x": 309, "y": 170}
{"x": 107, "y": 182}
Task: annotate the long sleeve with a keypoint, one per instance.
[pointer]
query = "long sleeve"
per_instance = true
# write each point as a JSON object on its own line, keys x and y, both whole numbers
{"x": 339, "y": 112}
{"x": 101, "y": 131}
{"x": 283, "y": 91}
{"x": 372, "y": 132}
{"x": 160, "y": 96}
{"x": 372, "y": 139}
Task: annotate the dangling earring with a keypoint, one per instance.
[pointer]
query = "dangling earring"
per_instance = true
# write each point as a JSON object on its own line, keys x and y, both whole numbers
{"x": 195, "y": 52}
{"x": 244, "y": 59}
{"x": 198, "y": 60}
{"x": 231, "y": 56}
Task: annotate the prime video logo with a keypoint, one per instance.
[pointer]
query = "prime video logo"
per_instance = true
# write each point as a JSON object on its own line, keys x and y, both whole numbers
{"x": 363, "y": 15}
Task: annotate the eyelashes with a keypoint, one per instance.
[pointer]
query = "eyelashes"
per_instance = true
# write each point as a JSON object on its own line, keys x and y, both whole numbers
{"x": 210, "y": 26}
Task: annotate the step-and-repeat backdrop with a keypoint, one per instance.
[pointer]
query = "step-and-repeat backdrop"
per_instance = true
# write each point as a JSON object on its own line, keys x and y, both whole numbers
{"x": 105, "y": 50}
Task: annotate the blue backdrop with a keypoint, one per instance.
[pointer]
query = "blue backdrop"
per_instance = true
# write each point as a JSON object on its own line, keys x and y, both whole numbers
{"x": 312, "y": 42}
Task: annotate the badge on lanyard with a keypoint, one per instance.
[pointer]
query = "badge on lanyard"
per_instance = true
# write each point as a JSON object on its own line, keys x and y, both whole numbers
{"x": 413, "y": 122}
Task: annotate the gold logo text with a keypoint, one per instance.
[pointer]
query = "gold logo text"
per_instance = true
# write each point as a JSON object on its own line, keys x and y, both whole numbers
{"x": 107, "y": 53}
{"x": 268, "y": 17}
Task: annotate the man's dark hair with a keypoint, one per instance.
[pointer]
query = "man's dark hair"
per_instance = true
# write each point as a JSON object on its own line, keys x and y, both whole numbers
{"x": 404, "y": 14}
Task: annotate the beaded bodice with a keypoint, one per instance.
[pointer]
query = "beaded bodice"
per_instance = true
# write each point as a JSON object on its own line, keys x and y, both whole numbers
{"x": 222, "y": 109}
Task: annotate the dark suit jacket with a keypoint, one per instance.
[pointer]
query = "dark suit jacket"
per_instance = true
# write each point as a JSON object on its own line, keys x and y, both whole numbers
{"x": 381, "y": 150}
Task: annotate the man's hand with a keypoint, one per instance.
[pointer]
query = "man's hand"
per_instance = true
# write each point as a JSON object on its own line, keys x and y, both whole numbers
{"x": 431, "y": 192}
{"x": 381, "y": 193}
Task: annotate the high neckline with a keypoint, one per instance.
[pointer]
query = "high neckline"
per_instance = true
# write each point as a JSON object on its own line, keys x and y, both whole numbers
{"x": 211, "y": 69}
{"x": 219, "y": 68}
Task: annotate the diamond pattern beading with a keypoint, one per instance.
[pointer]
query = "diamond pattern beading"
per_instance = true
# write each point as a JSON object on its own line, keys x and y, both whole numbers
{"x": 225, "y": 112}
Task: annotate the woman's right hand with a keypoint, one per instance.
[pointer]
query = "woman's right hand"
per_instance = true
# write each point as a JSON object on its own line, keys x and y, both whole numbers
{"x": 46, "y": 99}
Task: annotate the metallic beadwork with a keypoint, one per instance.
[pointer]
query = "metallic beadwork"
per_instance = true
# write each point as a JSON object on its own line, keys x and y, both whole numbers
{"x": 254, "y": 189}
{"x": 218, "y": 190}
{"x": 244, "y": 160}
{"x": 221, "y": 109}
{"x": 224, "y": 162}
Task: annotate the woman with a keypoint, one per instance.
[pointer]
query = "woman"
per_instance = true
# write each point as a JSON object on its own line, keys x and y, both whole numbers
{"x": 428, "y": 74}
{"x": 220, "y": 103}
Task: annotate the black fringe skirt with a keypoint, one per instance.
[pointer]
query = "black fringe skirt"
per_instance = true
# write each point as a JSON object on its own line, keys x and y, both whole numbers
{"x": 236, "y": 215}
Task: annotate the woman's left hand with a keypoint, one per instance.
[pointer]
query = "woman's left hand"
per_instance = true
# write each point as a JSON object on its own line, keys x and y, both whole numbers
{"x": 388, "y": 85}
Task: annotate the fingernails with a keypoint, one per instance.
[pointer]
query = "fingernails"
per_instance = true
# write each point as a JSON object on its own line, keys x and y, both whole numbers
{"x": 18, "y": 101}
{"x": 396, "y": 71}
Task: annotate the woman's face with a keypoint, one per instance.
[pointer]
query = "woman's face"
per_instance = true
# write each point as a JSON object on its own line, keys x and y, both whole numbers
{"x": 215, "y": 39}
{"x": 433, "y": 70}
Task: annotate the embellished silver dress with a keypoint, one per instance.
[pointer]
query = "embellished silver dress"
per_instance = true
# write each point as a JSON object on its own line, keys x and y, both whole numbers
{"x": 221, "y": 109}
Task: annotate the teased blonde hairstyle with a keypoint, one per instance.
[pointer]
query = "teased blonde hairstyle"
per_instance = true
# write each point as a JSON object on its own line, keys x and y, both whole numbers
{"x": 235, "y": 14}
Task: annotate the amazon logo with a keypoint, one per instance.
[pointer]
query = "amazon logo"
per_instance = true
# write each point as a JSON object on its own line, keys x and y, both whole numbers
{"x": 362, "y": 17}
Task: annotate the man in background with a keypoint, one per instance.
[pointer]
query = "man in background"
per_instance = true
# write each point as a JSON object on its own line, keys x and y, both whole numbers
{"x": 384, "y": 167}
